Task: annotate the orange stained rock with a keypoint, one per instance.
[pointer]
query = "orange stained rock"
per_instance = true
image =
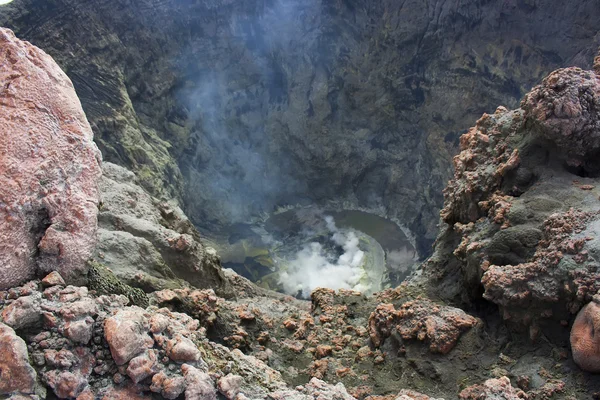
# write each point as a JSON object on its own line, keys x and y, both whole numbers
{"x": 585, "y": 337}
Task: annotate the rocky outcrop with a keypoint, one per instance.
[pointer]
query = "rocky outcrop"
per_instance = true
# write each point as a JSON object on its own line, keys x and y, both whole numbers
{"x": 521, "y": 213}
{"x": 49, "y": 169}
{"x": 520, "y": 228}
{"x": 99, "y": 347}
{"x": 239, "y": 106}
{"x": 148, "y": 243}
{"x": 565, "y": 110}
{"x": 421, "y": 319}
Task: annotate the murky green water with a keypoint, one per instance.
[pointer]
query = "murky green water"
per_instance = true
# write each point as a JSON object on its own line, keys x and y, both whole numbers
{"x": 259, "y": 252}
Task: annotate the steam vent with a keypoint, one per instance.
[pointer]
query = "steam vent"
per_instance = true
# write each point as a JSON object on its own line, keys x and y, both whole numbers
{"x": 299, "y": 199}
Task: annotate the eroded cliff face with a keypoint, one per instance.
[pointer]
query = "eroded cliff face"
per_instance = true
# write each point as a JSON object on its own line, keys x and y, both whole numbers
{"x": 236, "y": 107}
{"x": 520, "y": 231}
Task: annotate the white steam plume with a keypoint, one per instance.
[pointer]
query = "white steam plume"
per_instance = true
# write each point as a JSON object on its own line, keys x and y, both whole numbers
{"x": 313, "y": 267}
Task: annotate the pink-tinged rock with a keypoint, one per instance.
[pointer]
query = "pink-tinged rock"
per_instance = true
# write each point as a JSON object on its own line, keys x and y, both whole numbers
{"x": 565, "y": 109}
{"x": 423, "y": 320}
{"x": 230, "y": 385}
{"x": 49, "y": 169}
{"x": 65, "y": 384}
{"x": 412, "y": 395}
{"x": 60, "y": 359}
{"x": 127, "y": 334}
{"x": 79, "y": 309}
{"x": 124, "y": 393}
{"x": 158, "y": 323}
{"x": 199, "y": 385}
{"x": 53, "y": 279}
{"x": 16, "y": 374}
{"x": 585, "y": 337}
{"x": 500, "y": 389}
{"x": 143, "y": 366}
{"x": 80, "y": 331}
{"x": 183, "y": 350}
{"x": 168, "y": 387}
{"x": 87, "y": 394}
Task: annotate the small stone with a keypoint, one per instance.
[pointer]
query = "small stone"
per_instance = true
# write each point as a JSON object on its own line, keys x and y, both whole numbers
{"x": 143, "y": 366}
{"x": 230, "y": 385}
{"x": 53, "y": 279}
{"x": 127, "y": 334}
{"x": 169, "y": 388}
{"x": 79, "y": 309}
{"x": 199, "y": 385}
{"x": 124, "y": 393}
{"x": 290, "y": 324}
{"x": 183, "y": 350}
{"x": 584, "y": 341}
{"x": 323, "y": 351}
{"x": 65, "y": 384}
{"x": 158, "y": 323}
{"x": 60, "y": 359}
{"x": 25, "y": 312}
{"x": 118, "y": 378}
{"x": 80, "y": 331}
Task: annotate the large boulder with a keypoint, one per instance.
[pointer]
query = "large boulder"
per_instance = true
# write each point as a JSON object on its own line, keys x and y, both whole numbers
{"x": 522, "y": 222}
{"x": 565, "y": 109}
{"x": 49, "y": 168}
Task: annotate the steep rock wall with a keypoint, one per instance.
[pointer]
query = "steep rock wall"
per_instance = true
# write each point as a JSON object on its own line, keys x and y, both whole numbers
{"x": 235, "y": 107}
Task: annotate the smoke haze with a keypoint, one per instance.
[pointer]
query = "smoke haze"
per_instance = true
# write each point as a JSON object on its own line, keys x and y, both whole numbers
{"x": 314, "y": 266}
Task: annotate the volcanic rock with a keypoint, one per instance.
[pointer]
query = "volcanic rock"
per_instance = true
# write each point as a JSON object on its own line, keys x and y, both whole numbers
{"x": 518, "y": 223}
{"x": 584, "y": 339}
{"x": 565, "y": 109}
{"x": 421, "y": 319}
{"x": 497, "y": 389}
{"x": 16, "y": 374}
{"x": 49, "y": 169}
{"x": 127, "y": 334}
{"x": 264, "y": 106}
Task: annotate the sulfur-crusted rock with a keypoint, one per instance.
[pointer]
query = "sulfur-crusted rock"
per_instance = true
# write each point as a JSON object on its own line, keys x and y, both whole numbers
{"x": 49, "y": 169}
{"x": 103, "y": 281}
{"x": 16, "y": 374}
